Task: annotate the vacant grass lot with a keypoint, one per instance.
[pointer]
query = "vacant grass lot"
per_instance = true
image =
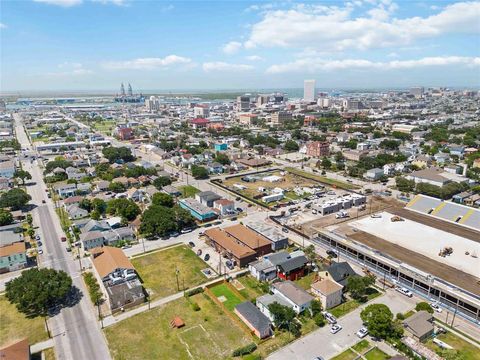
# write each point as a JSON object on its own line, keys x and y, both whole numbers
{"x": 323, "y": 179}
{"x": 188, "y": 191}
{"x": 15, "y": 326}
{"x": 351, "y": 305}
{"x": 466, "y": 350}
{"x": 208, "y": 333}
{"x": 232, "y": 299}
{"x": 253, "y": 287}
{"x": 157, "y": 270}
{"x": 361, "y": 346}
{"x": 346, "y": 355}
{"x": 376, "y": 354}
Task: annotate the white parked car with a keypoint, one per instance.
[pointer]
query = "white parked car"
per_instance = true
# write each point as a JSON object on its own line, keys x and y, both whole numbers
{"x": 335, "y": 328}
{"x": 436, "y": 307}
{"x": 329, "y": 317}
{"x": 404, "y": 291}
{"x": 362, "y": 332}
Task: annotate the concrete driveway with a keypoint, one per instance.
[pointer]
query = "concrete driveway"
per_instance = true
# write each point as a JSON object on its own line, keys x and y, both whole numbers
{"x": 325, "y": 344}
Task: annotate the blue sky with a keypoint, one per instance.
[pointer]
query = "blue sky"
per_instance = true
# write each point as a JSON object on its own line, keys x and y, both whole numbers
{"x": 97, "y": 44}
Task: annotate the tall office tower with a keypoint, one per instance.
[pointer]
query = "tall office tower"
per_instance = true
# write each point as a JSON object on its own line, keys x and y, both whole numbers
{"x": 122, "y": 90}
{"x": 243, "y": 103}
{"x": 262, "y": 99}
{"x": 309, "y": 91}
{"x": 152, "y": 104}
{"x": 417, "y": 91}
{"x": 130, "y": 92}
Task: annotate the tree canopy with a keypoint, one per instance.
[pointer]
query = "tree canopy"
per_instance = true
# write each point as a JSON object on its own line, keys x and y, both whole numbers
{"x": 199, "y": 172}
{"x": 358, "y": 285}
{"x": 163, "y": 199}
{"x": 284, "y": 318}
{"x": 291, "y": 145}
{"x": 37, "y": 290}
{"x": 6, "y": 217}
{"x": 125, "y": 208}
{"x": 379, "y": 320}
{"x": 115, "y": 154}
{"x": 22, "y": 175}
{"x": 14, "y": 198}
{"x": 159, "y": 220}
{"x": 59, "y": 162}
{"x": 424, "y": 306}
{"x": 161, "y": 181}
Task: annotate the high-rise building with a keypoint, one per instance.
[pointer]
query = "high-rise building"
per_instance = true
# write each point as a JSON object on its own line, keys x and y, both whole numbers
{"x": 201, "y": 111}
{"x": 152, "y": 104}
{"x": 262, "y": 99}
{"x": 122, "y": 90}
{"x": 243, "y": 103}
{"x": 417, "y": 91}
{"x": 309, "y": 91}
{"x": 130, "y": 91}
{"x": 281, "y": 117}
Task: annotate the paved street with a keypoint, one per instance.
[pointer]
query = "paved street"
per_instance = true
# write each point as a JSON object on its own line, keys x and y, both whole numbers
{"x": 325, "y": 344}
{"x": 76, "y": 332}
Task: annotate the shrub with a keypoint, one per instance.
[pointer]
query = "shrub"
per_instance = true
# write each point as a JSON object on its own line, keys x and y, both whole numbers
{"x": 400, "y": 316}
{"x": 195, "y": 307}
{"x": 424, "y": 306}
{"x": 194, "y": 291}
{"x": 245, "y": 350}
{"x": 319, "y": 320}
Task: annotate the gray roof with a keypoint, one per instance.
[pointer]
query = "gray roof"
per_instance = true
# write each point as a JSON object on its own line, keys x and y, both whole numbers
{"x": 278, "y": 258}
{"x": 262, "y": 265}
{"x": 293, "y": 263}
{"x": 208, "y": 195}
{"x": 196, "y": 206}
{"x": 270, "y": 232}
{"x": 268, "y": 299}
{"x": 254, "y": 316}
{"x": 340, "y": 272}
{"x": 293, "y": 292}
{"x": 420, "y": 323}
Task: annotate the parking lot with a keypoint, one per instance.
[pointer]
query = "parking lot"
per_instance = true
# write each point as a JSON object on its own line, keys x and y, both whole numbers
{"x": 309, "y": 346}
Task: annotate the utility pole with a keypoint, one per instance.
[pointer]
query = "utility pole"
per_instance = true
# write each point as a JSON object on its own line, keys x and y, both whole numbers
{"x": 176, "y": 276}
{"x": 454, "y": 314}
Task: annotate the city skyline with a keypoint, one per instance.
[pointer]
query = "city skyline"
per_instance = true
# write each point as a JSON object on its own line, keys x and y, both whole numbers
{"x": 238, "y": 45}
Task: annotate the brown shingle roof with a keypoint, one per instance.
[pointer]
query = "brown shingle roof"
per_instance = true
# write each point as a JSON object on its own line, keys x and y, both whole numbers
{"x": 108, "y": 259}
{"x": 326, "y": 286}
{"x": 19, "y": 350}
{"x": 249, "y": 237}
{"x": 226, "y": 241}
{"x": 15, "y": 248}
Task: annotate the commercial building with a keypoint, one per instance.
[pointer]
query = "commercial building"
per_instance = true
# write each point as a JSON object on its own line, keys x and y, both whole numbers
{"x": 281, "y": 117}
{"x": 309, "y": 91}
{"x": 223, "y": 243}
{"x": 243, "y": 103}
{"x": 201, "y": 111}
{"x": 247, "y": 119}
{"x": 198, "y": 210}
{"x": 278, "y": 239}
{"x": 318, "y": 149}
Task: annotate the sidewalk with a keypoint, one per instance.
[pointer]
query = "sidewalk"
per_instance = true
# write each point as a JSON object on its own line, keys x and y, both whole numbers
{"x": 111, "y": 319}
{"x": 36, "y": 348}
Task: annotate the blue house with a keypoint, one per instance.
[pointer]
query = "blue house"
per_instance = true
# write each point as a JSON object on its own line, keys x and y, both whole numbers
{"x": 197, "y": 210}
{"x": 221, "y": 147}
{"x": 215, "y": 168}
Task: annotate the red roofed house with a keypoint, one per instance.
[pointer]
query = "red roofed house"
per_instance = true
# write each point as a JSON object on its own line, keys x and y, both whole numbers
{"x": 318, "y": 149}
{"x": 125, "y": 133}
{"x": 199, "y": 123}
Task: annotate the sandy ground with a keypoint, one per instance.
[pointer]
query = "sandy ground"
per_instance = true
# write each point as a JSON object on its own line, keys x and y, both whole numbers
{"x": 425, "y": 240}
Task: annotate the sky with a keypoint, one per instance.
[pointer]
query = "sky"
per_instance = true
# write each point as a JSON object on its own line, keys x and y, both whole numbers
{"x": 98, "y": 44}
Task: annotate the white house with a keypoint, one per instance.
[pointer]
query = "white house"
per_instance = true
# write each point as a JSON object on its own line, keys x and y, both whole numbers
{"x": 328, "y": 291}
{"x": 298, "y": 298}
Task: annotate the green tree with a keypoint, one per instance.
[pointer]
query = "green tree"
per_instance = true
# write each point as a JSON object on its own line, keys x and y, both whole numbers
{"x": 358, "y": 285}
{"x": 310, "y": 253}
{"x": 284, "y": 318}
{"x": 99, "y": 205}
{"x": 424, "y": 306}
{"x": 326, "y": 163}
{"x": 22, "y": 175}
{"x": 6, "y": 217}
{"x": 163, "y": 199}
{"x": 161, "y": 181}
{"x": 404, "y": 185}
{"x": 58, "y": 162}
{"x": 222, "y": 158}
{"x": 291, "y": 145}
{"x": 116, "y": 187}
{"x": 37, "y": 290}
{"x": 379, "y": 320}
{"x": 125, "y": 208}
{"x": 199, "y": 172}
{"x": 315, "y": 307}
{"x": 85, "y": 204}
{"x": 116, "y": 154}
{"x": 14, "y": 198}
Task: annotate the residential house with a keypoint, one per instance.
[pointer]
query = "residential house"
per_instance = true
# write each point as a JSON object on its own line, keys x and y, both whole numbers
{"x": 292, "y": 269}
{"x": 16, "y": 350}
{"x": 73, "y": 173}
{"x": 221, "y": 147}
{"x": 422, "y": 161}
{"x": 339, "y": 272}
{"x": 431, "y": 176}
{"x": 7, "y": 169}
{"x": 65, "y": 190}
{"x": 254, "y": 319}
{"x": 119, "y": 278}
{"x": 215, "y": 168}
{"x": 13, "y": 257}
{"x": 264, "y": 301}
{"x": 293, "y": 294}
{"x": 224, "y": 206}
{"x": 75, "y": 212}
{"x": 96, "y": 225}
{"x": 328, "y": 291}
{"x": 91, "y": 239}
{"x": 420, "y": 325}
{"x": 207, "y": 198}
{"x": 171, "y": 190}
{"x": 373, "y": 174}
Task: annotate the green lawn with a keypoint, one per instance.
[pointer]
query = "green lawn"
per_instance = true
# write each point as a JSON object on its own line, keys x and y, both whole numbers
{"x": 188, "y": 191}
{"x": 253, "y": 287}
{"x": 346, "y": 355}
{"x": 361, "y": 346}
{"x": 15, "y": 326}
{"x": 351, "y": 305}
{"x": 376, "y": 354}
{"x": 157, "y": 270}
{"x": 306, "y": 281}
{"x": 232, "y": 299}
{"x": 466, "y": 350}
{"x": 208, "y": 333}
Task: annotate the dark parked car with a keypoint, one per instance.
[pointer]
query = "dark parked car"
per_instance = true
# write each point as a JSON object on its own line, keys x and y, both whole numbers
{"x": 332, "y": 253}
{"x": 285, "y": 230}
{"x": 191, "y": 244}
{"x": 207, "y": 257}
{"x": 199, "y": 252}
{"x": 229, "y": 264}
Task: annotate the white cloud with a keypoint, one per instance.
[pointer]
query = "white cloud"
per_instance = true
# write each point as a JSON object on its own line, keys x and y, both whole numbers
{"x": 148, "y": 63}
{"x": 311, "y": 65}
{"x": 333, "y": 28}
{"x": 113, "y": 2}
{"x": 223, "y": 66}
{"x": 254, "y": 58}
{"x": 3, "y": 26}
{"x": 232, "y": 47}
{"x": 71, "y": 69}
{"x": 62, "y": 3}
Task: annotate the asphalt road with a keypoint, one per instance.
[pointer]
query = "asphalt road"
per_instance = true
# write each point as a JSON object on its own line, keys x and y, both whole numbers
{"x": 323, "y": 343}
{"x": 75, "y": 330}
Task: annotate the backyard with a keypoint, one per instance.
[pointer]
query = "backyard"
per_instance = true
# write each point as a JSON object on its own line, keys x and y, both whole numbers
{"x": 362, "y": 348}
{"x": 466, "y": 351}
{"x": 226, "y": 296}
{"x": 14, "y": 325}
{"x": 207, "y": 334}
{"x": 188, "y": 191}
{"x": 350, "y": 305}
{"x": 157, "y": 270}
